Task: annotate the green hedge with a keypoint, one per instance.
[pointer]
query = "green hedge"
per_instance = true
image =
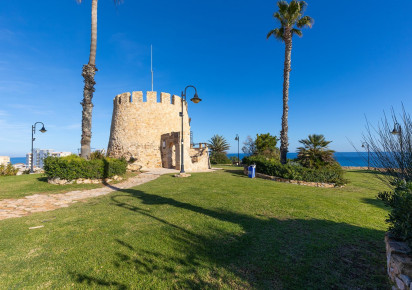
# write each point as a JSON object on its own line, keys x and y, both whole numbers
{"x": 295, "y": 171}
{"x": 219, "y": 158}
{"x": 73, "y": 167}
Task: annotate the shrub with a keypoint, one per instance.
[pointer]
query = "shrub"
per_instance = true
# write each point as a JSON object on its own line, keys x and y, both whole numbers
{"x": 234, "y": 159}
{"x": 272, "y": 167}
{"x": 315, "y": 152}
{"x": 73, "y": 167}
{"x": 400, "y": 216}
{"x": 8, "y": 170}
{"x": 98, "y": 154}
{"x": 219, "y": 158}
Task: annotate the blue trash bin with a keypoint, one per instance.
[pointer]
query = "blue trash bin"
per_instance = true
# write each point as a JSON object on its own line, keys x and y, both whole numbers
{"x": 251, "y": 171}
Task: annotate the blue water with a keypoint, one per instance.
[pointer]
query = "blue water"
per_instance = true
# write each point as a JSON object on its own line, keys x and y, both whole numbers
{"x": 344, "y": 158}
{"x": 14, "y": 160}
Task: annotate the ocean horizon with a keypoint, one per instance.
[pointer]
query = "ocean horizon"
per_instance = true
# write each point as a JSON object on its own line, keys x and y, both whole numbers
{"x": 358, "y": 159}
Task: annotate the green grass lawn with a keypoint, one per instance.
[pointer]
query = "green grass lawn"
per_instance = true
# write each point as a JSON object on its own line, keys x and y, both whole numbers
{"x": 28, "y": 184}
{"x": 212, "y": 230}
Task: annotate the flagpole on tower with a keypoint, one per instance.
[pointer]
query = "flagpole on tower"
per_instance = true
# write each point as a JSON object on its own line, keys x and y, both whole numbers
{"x": 151, "y": 63}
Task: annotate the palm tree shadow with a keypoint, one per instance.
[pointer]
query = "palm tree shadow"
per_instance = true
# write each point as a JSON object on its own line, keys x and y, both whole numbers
{"x": 266, "y": 253}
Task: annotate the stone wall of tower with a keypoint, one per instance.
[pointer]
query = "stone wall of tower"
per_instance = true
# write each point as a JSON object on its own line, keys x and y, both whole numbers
{"x": 138, "y": 126}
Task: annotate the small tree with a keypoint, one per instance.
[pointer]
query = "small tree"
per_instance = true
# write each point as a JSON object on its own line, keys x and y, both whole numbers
{"x": 249, "y": 146}
{"x": 266, "y": 145}
{"x": 390, "y": 147}
{"x": 315, "y": 152}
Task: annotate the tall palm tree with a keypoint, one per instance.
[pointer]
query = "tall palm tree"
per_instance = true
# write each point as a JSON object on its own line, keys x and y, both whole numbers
{"x": 89, "y": 70}
{"x": 291, "y": 19}
{"x": 315, "y": 152}
{"x": 218, "y": 144}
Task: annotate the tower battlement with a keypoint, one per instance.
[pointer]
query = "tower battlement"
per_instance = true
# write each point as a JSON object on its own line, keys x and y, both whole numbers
{"x": 151, "y": 97}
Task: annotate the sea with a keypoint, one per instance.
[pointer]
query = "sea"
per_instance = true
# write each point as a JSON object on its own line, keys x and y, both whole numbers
{"x": 344, "y": 158}
{"x": 358, "y": 159}
{"x": 14, "y": 160}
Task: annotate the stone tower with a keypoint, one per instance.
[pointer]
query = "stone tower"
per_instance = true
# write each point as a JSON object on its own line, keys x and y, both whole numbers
{"x": 149, "y": 132}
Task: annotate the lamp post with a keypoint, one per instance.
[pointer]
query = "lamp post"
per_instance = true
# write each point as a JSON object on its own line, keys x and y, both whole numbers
{"x": 366, "y": 145}
{"x": 195, "y": 100}
{"x": 33, "y": 131}
{"x": 397, "y": 130}
{"x": 238, "y": 157}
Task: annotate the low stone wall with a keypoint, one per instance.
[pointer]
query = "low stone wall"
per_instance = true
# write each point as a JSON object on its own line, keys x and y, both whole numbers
{"x": 291, "y": 181}
{"x": 399, "y": 263}
{"x": 59, "y": 181}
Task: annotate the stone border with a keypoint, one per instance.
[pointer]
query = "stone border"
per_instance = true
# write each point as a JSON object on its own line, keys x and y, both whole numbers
{"x": 291, "y": 181}
{"x": 59, "y": 181}
{"x": 399, "y": 263}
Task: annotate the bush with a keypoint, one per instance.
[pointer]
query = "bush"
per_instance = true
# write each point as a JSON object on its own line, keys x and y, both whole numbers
{"x": 295, "y": 171}
{"x": 8, "y": 170}
{"x": 219, "y": 158}
{"x": 73, "y": 167}
{"x": 400, "y": 216}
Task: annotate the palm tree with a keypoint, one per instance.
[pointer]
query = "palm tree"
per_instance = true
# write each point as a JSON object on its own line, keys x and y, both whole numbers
{"x": 218, "y": 144}
{"x": 89, "y": 70}
{"x": 315, "y": 152}
{"x": 291, "y": 19}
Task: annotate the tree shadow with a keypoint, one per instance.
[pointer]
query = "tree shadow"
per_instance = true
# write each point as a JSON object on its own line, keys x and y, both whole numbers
{"x": 375, "y": 202}
{"x": 42, "y": 179}
{"x": 236, "y": 172}
{"x": 265, "y": 253}
{"x": 91, "y": 281}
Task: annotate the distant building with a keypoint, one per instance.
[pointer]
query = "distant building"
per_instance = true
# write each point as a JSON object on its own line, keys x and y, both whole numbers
{"x": 4, "y": 160}
{"x": 40, "y": 154}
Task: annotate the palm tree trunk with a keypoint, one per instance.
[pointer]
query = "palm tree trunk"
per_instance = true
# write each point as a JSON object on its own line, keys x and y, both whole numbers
{"x": 89, "y": 70}
{"x": 284, "y": 142}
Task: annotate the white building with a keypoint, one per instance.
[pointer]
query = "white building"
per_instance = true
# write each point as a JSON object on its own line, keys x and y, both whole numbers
{"x": 40, "y": 154}
{"x": 4, "y": 160}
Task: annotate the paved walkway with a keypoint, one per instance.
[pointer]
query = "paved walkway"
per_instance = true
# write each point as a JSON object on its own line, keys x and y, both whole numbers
{"x": 11, "y": 208}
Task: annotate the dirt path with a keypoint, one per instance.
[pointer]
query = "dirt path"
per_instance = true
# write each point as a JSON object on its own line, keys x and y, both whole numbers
{"x": 12, "y": 208}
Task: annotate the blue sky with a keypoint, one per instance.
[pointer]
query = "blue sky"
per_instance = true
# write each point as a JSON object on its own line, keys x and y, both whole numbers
{"x": 354, "y": 62}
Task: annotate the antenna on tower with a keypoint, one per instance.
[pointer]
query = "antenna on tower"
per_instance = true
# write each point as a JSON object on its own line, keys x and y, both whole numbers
{"x": 151, "y": 63}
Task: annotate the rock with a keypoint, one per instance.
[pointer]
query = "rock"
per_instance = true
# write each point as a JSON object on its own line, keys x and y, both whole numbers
{"x": 406, "y": 279}
{"x": 182, "y": 175}
{"x": 134, "y": 167}
{"x": 87, "y": 181}
{"x": 400, "y": 284}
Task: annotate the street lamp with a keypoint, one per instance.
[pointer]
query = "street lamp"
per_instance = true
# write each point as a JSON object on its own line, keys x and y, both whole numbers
{"x": 397, "y": 130}
{"x": 195, "y": 100}
{"x": 33, "y": 131}
{"x": 366, "y": 145}
{"x": 238, "y": 157}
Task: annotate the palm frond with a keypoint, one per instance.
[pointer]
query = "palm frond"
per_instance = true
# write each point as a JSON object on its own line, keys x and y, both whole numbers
{"x": 283, "y": 7}
{"x": 305, "y": 21}
{"x": 303, "y": 6}
{"x": 283, "y": 21}
{"x": 297, "y": 32}
{"x": 278, "y": 33}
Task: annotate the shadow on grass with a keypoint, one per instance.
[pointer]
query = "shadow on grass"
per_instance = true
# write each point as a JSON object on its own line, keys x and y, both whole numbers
{"x": 238, "y": 171}
{"x": 376, "y": 202}
{"x": 92, "y": 282}
{"x": 42, "y": 179}
{"x": 266, "y": 253}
